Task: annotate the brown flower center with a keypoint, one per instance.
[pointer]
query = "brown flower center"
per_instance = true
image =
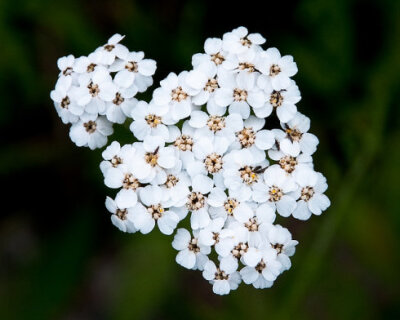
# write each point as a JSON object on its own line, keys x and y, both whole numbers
{"x": 293, "y": 134}
{"x": 245, "y": 42}
{"x": 246, "y": 137}
{"x": 276, "y": 99}
{"x": 239, "y": 250}
{"x": 90, "y": 126}
{"x": 130, "y": 182}
{"x": 93, "y": 89}
{"x": 153, "y": 120}
{"x": 115, "y": 161}
{"x": 118, "y": 99}
{"x": 260, "y": 266}
{"x": 246, "y": 66}
{"x": 221, "y": 275}
{"x": 211, "y": 85}
{"x": 288, "y": 163}
{"x": 109, "y": 47}
{"x": 67, "y": 71}
{"x": 151, "y": 158}
{"x": 248, "y": 175}
{"x": 230, "y": 205}
{"x": 121, "y": 213}
{"x": 132, "y": 66}
{"x": 196, "y": 201}
{"x": 178, "y": 94}
{"x": 156, "y": 211}
{"x": 213, "y": 162}
{"x": 171, "y": 181}
{"x": 274, "y": 70}
{"x": 193, "y": 246}
{"x": 217, "y": 58}
{"x": 275, "y": 194}
{"x": 307, "y": 193}
{"x": 239, "y": 94}
{"x": 91, "y": 67}
{"x": 184, "y": 143}
{"x": 65, "y": 102}
{"x": 252, "y": 225}
{"x": 216, "y": 123}
{"x": 278, "y": 247}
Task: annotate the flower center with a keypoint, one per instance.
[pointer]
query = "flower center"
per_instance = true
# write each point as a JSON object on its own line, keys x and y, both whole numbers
{"x": 109, "y": 47}
{"x": 121, "y": 213}
{"x": 275, "y": 194}
{"x": 132, "y": 66}
{"x": 246, "y": 137}
{"x": 184, "y": 143}
{"x": 217, "y": 58}
{"x": 239, "y": 95}
{"x": 93, "y": 89}
{"x": 245, "y": 42}
{"x": 247, "y": 66}
{"x": 260, "y": 266}
{"x": 213, "y": 162}
{"x": 67, "y": 71}
{"x": 178, "y": 94}
{"x": 216, "y": 123}
{"x": 193, "y": 246}
{"x": 118, "y": 99}
{"x": 171, "y": 181}
{"x": 278, "y": 247}
{"x": 307, "y": 193}
{"x": 221, "y": 275}
{"x": 151, "y": 158}
{"x": 248, "y": 175}
{"x": 130, "y": 182}
{"x": 90, "y": 126}
{"x": 230, "y": 205}
{"x": 239, "y": 250}
{"x": 288, "y": 163}
{"x": 293, "y": 134}
{"x": 91, "y": 67}
{"x": 65, "y": 102}
{"x": 211, "y": 85}
{"x": 276, "y": 99}
{"x": 156, "y": 211}
{"x": 153, "y": 120}
{"x": 252, "y": 225}
{"x": 115, "y": 161}
{"x": 196, "y": 201}
{"x": 274, "y": 70}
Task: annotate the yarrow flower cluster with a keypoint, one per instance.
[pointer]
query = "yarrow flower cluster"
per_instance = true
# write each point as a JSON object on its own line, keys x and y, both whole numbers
{"x": 203, "y": 149}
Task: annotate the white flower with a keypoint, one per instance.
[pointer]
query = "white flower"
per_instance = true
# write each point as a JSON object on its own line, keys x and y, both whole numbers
{"x": 120, "y": 107}
{"x": 203, "y": 81}
{"x": 92, "y": 133}
{"x": 66, "y": 65}
{"x": 122, "y": 216}
{"x": 224, "y": 278}
{"x": 192, "y": 255}
{"x": 174, "y": 95}
{"x": 265, "y": 272}
{"x": 134, "y": 70}
{"x": 284, "y": 100}
{"x": 152, "y": 210}
{"x": 278, "y": 69}
{"x": 213, "y": 53}
{"x": 310, "y": 194}
{"x": 88, "y": 64}
{"x": 275, "y": 191}
{"x": 112, "y": 49}
{"x": 68, "y": 110}
{"x": 295, "y": 138}
{"x": 239, "y": 91}
{"x": 148, "y": 121}
{"x": 281, "y": 240}
{"x": 176, "y": 188}
{"x": 115, "y": 156}
{"x": 239, "y": 41}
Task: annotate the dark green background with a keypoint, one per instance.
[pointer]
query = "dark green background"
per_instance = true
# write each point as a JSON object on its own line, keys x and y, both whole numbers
{"x": 60, "y": 257}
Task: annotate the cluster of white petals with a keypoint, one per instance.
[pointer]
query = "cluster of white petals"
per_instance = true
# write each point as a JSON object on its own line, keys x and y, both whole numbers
{"x": 204, "y": 151}
{"x": 96, "y": 91}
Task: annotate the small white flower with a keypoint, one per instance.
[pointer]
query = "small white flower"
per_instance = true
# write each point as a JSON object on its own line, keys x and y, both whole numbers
{"x": 224, "y": 278}
{"x": 278, "y": 69}
{"x": 112, "y": 49}
{"x": 239, "y": 41}
{"x": 203, "y": 81}
{"x": 213, "y": 53}
{"x": 121, "y": 216}
{"x": 92, "y": 133}
{"x": 275, "y": 191}
{"x": 152, "y": 210}
{"x": 115, "y": 156}
{"x": 311, "y": 199}
{"x": 120, "y": 107}
{"x": 176, "y": 188}
{"x": 66, "y": 65}
{"x": 280, "y": 239}
{"x": 88, "y": 64}
{"x": 192, "y": 255}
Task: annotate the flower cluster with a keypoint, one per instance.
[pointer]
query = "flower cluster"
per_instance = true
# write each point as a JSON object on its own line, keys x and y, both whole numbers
{"x": 204, "y": 151}
{"x": 96, "y": 91}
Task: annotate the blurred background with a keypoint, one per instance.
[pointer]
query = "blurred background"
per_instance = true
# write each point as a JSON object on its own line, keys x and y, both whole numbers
{"x": 60, "y": 257}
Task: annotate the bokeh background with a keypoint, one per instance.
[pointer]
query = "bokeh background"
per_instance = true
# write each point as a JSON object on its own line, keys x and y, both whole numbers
{"x": 60, "y": 257}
